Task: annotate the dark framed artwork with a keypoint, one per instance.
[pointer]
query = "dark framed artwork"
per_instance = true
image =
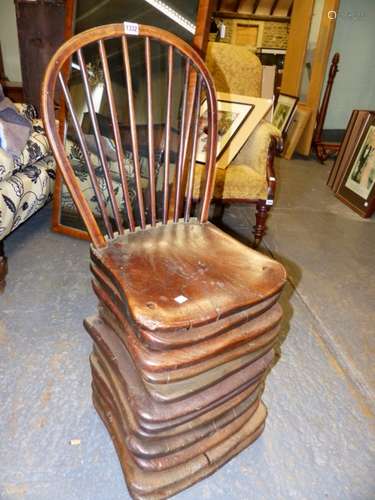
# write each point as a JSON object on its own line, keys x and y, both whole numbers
{"x": 237, "y": 118}
{"x": 357, "y": 188}
{"x": 284, "y": 111}
{"x": 231, "y": 116}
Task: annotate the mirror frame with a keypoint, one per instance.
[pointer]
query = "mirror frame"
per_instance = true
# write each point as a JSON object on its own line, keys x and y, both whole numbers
{"x": 295, "y": 59}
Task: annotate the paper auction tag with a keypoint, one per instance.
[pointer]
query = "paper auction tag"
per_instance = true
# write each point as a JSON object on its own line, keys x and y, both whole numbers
{"x": 131, "y": 28}
{"x": 181, "y": 299}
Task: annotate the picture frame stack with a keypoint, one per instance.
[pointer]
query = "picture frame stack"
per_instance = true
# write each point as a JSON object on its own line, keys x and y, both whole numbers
{"x": 295, "y": 130}
{"x": 352, "y": 177}
{"x": 284, "y": 110}
{"x": 238, "y": 116}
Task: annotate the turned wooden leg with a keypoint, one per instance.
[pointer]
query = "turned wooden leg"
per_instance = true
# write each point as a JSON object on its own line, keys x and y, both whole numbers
{"x": 218, "y": 212}
{"x": 260, "y": 225}
{"x": 3, "y": 266}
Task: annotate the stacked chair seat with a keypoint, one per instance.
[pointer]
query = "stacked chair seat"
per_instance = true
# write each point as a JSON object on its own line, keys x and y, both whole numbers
{"x": 188, "y": 317}
{"x": 170, "y": 403}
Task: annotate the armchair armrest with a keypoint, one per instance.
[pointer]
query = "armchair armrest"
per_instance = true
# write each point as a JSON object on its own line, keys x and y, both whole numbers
{"x": 275, "y": 145}
{"x": 259, "y": 152}
{"x": 256, "y": 149}
{"x": 27, "y": 110}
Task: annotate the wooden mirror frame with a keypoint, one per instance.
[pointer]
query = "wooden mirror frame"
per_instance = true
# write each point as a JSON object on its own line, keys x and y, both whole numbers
{"x": 200, "y": 40}
{"x": 295, "y": 58}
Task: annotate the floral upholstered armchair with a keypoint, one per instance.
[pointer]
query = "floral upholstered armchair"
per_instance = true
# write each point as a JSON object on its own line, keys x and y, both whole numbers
{"x": 26, "y": 180}
{"x": 250, "y": 177}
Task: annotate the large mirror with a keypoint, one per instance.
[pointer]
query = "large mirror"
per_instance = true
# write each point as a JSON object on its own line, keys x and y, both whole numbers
{"x": 178, "y": 17}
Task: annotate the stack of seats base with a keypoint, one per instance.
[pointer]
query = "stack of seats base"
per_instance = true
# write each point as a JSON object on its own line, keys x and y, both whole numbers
{"x": 180, "y": 393}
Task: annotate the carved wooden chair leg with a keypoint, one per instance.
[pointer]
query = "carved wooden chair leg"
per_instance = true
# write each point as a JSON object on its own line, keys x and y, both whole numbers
{"x": 260, "y": 224}
{"x": 3, "y": 267}
{"x": 218, "y": 211}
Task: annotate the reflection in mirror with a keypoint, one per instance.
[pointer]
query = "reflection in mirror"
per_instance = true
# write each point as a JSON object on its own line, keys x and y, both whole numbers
{"x": 178, "y": 17}
{"x": 91, "y": 132}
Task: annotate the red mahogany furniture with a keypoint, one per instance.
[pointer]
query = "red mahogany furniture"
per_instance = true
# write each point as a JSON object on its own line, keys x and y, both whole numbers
{"x": 187, "y": 317}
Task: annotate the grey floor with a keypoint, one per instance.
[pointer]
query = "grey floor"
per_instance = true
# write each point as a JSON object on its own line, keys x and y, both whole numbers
{"x": 319, "y": 440}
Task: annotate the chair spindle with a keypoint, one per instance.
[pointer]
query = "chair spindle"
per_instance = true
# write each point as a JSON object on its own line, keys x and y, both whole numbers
{"x": 99, "y": 141}
{"x": 211, "y": 153}
{"x": 181, "y": 152}
{"x": 86, "y": 155}
{"x": 190, "y": 180}
{"x": 117, "y": 135}
{"x": 133, "y": 130}
{"x": 150, "y": 131}
{"x": 168, "y": 135}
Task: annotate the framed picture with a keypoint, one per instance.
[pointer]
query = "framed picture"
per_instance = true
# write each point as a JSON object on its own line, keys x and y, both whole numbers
{"x": 284, "y": 111}
{"x": 358, "y": 122}
{"x": 295, "y": 130}
{"x": 358, "y": 185}
{"x": 237, "y": 118}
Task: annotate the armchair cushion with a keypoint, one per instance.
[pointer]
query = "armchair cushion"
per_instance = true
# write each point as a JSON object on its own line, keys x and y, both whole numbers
{"x": 37, "y": 147}
{"x": 237, "y": 182}
{"x": 235, "y": 69}
{"x": 15, "y": 128}
{"x": 24, "y": 193}
{"x": 246, "y": 177}
{"x": 27, "y": 110}
{"x": 7, "y": 167}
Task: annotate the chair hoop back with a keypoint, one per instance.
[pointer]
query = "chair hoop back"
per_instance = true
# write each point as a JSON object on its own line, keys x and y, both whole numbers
{"x": 196, "y": 80}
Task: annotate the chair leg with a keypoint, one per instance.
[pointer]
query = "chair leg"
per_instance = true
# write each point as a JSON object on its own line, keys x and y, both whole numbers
{"x": 3, "y": 266}
{"x": 260, "y": 225}
{"x": 218, "y": 212}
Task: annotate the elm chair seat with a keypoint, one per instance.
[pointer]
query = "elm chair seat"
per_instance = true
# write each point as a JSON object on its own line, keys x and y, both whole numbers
{"x": 185, "y": 275}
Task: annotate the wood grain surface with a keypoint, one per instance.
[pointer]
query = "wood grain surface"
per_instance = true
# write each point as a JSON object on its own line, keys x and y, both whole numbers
{"x": 144, "y": 405}
{"x": 215, "y": 273}
{"x": 162, "y": 484}
{"x": 160, "y": 340}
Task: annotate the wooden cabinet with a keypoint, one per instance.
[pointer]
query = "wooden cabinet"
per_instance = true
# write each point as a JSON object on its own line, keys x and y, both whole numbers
{"x": 40, "y": 26}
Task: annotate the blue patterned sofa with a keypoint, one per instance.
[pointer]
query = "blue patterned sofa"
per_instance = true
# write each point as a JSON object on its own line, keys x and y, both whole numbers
{"x": 26, "y": 182}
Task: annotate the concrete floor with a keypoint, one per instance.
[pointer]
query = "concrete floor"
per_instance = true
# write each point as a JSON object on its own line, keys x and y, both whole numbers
{"x": 319, "y": 440}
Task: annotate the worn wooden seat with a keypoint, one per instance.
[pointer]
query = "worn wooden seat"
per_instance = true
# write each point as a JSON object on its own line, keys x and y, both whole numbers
{"x": 188, "y": 317}
{"x": 209, "y": 373}
{"x": 163, "y": 484}
{"x": 213, "y": 283}
{"x": 223, "y": 431}
{"x": 161, "y": 340}
{"x": 166, "y": 433}
{"x": 154, "y": 443}
{"x": 185, "y": 362}
{"x": 147, "y": 409}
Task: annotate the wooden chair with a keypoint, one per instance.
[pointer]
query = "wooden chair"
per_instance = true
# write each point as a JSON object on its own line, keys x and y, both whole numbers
{"x": 250, "y": 178}
{"x": 188, "y": 317}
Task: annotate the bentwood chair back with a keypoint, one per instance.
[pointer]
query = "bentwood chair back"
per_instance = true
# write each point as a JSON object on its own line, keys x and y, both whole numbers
{"x": 92, "y": 53}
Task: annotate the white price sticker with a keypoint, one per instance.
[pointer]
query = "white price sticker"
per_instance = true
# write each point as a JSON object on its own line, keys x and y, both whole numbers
{"x": 181, "y": 299}
{"x": 131, "y": 28}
